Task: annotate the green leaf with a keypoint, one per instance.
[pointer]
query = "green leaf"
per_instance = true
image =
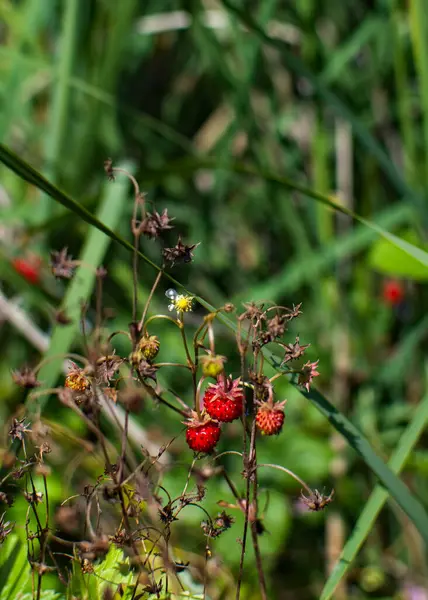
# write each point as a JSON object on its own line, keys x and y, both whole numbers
{"x": 80, "y": 288}
{"x": 14, "y": 568}
{"x": 389, "y": 259}
{"x": 377, "y": 499}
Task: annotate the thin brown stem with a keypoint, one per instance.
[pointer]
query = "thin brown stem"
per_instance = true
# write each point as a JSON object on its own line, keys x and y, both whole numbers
{"x": 149, "y": 299}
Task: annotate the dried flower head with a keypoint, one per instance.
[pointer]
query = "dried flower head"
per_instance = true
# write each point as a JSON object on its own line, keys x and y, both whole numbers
{"x": 294, "y": 351}
{"x": 148, "y": 346}
{"x": 107, "y": 367}
{"x": 253, "y": 312}
{"x": 276, "y": 326}
{"x": 143, "y": 367}
{"x": 316, "y": 501}
{"x": 307, "y": 373}
{"x": 62, "y": 265}
{"x": 76, "y": 379}
{"x": 153, "y": 224}
{"x": 18, "y": 429}
{"x": 179, "y": 253}
{"x": 25, "y": 378}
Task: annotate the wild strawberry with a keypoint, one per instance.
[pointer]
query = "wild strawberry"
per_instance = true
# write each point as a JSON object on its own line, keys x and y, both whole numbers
{"x": 149, "y": 346}
{"x": 392, "y": 292}
{"x": 202, "y": 433}
{"x": 223, "y": 400}
{"x": 270, "y": 417}
{"x": 28, "y": 268}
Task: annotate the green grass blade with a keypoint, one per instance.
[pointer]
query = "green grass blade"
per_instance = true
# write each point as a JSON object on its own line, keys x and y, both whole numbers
{"x": 188, "y": 166}
{"x": 396, "y": 488}
{"x": 58, "y": 121}
{"x": 111, "y": 209}
{"x": 332, "y": 100}
{"x": 377, "y": 499}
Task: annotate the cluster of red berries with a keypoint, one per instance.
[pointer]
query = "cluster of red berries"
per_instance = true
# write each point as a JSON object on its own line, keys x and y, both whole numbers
{"x": 223, "y": 403}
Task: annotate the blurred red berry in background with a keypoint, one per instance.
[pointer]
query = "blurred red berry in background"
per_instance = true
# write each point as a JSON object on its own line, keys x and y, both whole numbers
{"x": 392, "y": 292}
{"x": 28, "y": 268}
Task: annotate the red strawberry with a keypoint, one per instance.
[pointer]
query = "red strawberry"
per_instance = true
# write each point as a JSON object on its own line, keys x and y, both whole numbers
{"x": 202, "y": 434}
{"x": 392, "y": 292}
{"x": 270, "y": 417}
{"x": 223, "y": 400}
{"x": 28, "y": 268}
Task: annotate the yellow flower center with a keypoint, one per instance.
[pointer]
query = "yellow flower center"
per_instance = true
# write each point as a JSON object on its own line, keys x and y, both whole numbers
{"x": 183, "y": 303}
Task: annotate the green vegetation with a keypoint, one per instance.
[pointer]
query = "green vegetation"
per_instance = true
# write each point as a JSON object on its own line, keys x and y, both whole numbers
{"x": 288, "y": 141}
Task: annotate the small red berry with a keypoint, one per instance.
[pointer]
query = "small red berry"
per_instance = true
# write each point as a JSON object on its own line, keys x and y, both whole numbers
{"x": 392, "y": 292}
{"x": 223, "y": 400}
{"x": 28, "y": 269}
{"x": 202, "y": 437}
{"x": 270, "y": 418}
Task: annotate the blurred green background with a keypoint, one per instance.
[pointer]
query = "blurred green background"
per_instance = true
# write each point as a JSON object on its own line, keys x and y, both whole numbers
{"x": 331, "y": 96}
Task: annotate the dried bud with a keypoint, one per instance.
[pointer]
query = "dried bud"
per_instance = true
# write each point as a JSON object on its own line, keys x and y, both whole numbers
{"x": 253, "y": 312}
{"x": 308, "y": 372}
{"x": 316, "y": 501}
{"x": 25, "y": 378}
{"x": 144, "y": 368}
{"x": 18, "y": 429}
{"x": 212, "y": 365}
{"x": 153, "y": 224}
{"x": 62, "y": 266}
{"x": 180, "y": 253}
{"x": 33, "y": 497}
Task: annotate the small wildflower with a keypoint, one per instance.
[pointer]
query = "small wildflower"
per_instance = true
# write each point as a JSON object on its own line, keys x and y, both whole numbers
{"x": 308, "y": 372}
{"x": 179, "y": 253}
{"x": 18, "y": 429}
{"x": 316, "y": 501}
{"x": 5, "y": 528}
{"x": 294, "y": 351}
{"x": 62, "y": 265}
{"x": 212, "y": 365}
{"x": 181, "y": 303}
{"x": 149, "y": 346}
{"x": 25, "y": 378}
{"x": 153, "y": 224}
{"x": 76, "y": 380}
